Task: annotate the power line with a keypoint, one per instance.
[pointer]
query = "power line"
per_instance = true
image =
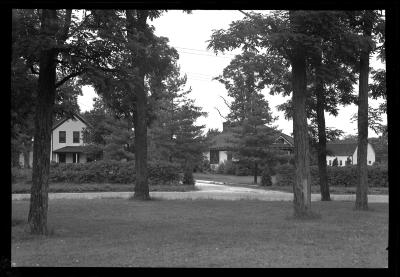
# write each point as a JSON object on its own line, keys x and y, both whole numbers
{"x": 198, "y": 54}
{"x": 232, "y": 55}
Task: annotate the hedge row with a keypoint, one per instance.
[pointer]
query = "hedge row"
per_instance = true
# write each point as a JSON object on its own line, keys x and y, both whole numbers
{"x": 337, "y": 176}
{"x": 112, "y": 172}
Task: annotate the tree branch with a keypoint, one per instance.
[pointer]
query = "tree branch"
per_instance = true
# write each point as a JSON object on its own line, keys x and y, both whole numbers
{"x": 220, "y": 113}
{"x": 246, "y": 14}
{"x": 70, "y": 76}
{"x": 226, "y": 102}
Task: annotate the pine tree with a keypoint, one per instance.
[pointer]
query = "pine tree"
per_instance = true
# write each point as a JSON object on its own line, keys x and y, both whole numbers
{"x": 249, "y": 111}
{"x": 175, "y": 137}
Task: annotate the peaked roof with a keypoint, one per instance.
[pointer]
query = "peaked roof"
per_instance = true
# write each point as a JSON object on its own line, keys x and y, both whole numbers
{"x": 288, "y": 138}
{"x": 223, "y": 141}
{"x": 62, "y": 120}
{"x": 339, "y": 148}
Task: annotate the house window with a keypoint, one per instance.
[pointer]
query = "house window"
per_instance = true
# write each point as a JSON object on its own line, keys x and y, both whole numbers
{"x": 62, "y": 136}
{"x": 61, "y": 157}
{"x": 369, "y": 162}
{"x": 75, "y": 136}
{"x": 214, "y": 157}
{"x": 340, "y": 162}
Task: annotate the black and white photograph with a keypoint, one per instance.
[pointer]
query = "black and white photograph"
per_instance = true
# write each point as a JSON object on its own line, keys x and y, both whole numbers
{"x": 199, "y": 138}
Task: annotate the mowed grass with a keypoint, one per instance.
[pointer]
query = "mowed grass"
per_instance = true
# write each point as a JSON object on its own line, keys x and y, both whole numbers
{"x": 201, "y": 233}
{"x": 247, "y": 181}
{"x": 25, "y": 187}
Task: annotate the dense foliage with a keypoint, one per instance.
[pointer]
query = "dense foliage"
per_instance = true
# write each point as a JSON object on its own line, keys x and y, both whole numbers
{"x": 337, "y": 175}
{"x": 113, "y": 172}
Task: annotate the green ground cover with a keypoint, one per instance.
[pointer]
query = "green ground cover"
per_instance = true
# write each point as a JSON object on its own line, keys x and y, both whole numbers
{"x": 201, "y": 233}
{"x": 24, "y": 187}
{"x": 247, "y": 181}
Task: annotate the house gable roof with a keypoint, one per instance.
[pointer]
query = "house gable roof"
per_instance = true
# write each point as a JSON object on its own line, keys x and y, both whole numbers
{"x": 61, "y": 121}
{"x": 341, "y": 148}
{"x": 223, "y": 141}
{"x": 287, "y": 138}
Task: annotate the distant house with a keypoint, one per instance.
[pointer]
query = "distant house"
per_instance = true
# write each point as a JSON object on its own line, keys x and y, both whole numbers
{"x": 66, "y": 142}
{"x": 344, "y": 151}
{"x": 222, "y": 146}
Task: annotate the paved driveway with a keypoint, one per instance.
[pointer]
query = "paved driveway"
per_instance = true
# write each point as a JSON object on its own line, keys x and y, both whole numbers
{"x": 207, "y": 190}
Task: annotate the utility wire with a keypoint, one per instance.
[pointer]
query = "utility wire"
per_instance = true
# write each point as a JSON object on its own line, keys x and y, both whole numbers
{"x": 198, "y": 54}
{"x": 232, "y": 55}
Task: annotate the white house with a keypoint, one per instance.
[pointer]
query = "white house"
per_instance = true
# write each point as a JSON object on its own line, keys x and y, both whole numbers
{"x": 66, "y": 142}
{"x": 221, "y": 146}
{"x": 344, "y": 151}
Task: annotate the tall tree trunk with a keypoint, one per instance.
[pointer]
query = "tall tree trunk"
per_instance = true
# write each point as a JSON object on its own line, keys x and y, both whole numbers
{"x": 255, "y": 172}
{"x": 43, "y": 122}
{"x": 302, "y": 184}
{"x": 140, "y": 120}
{"x": 323, "y": 176}
{"x": 362, "y": 184}
{"x": 142, "y": 186}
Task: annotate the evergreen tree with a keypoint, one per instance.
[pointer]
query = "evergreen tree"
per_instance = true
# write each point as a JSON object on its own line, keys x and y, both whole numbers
{"x": 175, "y": 137}
{"x": 249, "y": 111}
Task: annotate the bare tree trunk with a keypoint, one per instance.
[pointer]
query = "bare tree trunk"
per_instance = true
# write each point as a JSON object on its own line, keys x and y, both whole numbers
{"x": 302, "y": 184}
{"x": 140, "y": 120}
{"x": 141, "y": 186}
{"x": 323, "y": 176}
{"x": 43, "y": 122}
{"x": 362, "y": 184}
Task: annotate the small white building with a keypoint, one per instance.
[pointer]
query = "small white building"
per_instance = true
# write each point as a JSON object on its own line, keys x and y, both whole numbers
{"x": 347, "y": 151}
{"x": 66, "y": 142}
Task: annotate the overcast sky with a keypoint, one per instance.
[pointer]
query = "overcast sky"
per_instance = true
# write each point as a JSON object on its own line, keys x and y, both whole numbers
{"x": 188, "y": 33}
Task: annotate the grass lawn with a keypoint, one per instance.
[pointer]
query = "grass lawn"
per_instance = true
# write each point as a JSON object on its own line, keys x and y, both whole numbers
{"x": 25, "y": 187}
{"x": 247, "y": 181}
{"x": 201, "y": 233}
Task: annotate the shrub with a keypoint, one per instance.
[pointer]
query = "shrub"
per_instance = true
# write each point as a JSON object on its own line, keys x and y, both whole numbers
{"x": 229, "y": 167}
{"x": 21, "y": 175}
{"x": 337, "y": 176}
{"x": 108, "y": 171}
{"x": 266, "y": 178}
{"x": 285, "y": 175}
{"x": 188, "y": 178}
{"x": 242, "y": 169}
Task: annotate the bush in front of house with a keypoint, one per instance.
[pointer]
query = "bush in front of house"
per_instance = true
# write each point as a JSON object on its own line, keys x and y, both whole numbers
{"x": 226, "y": 167}
{"x": 345, "y": 176}
{"x": 285, "y": 174}
{"x": 108, "y": 171}
{"x": 266, "y": 177}
{"x": 164, "y": 173}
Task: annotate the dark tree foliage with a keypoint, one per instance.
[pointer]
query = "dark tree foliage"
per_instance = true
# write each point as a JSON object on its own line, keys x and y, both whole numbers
{"x": 249, "y": 111}
{"x": 57, "y": 46}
